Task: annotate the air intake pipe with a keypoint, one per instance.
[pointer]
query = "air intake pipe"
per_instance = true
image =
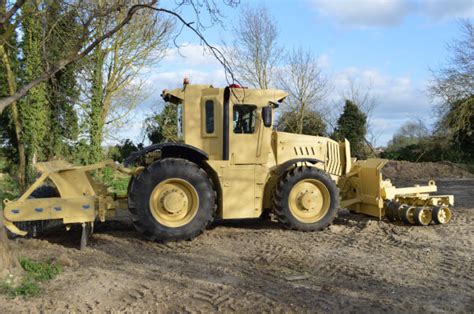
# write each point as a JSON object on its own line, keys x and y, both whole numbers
{"x": 225, "y": 126}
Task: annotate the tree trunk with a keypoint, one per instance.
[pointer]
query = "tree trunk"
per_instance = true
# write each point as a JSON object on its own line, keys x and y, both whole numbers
{"x": 301, "y": 118}
{"x": 21, "y": 149}
{"x": 16, "y": 120}
{"x": 8, "y": 262}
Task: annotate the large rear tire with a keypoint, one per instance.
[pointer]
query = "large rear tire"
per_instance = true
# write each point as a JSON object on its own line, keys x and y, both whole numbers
{"x": 172, "y": 199}
{"x": 306, "y": 199}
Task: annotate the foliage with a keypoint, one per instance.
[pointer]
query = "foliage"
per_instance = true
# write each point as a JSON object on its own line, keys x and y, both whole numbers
{"x": 113, "y": 71}
{"x": 461, "y": 133}
{"x": 352, "y": 125}
{"x": 95, "y": 119}
{"x": 414, "y": 142}
{"x": 121, "y": 151}
{"x": 36, "y": 272}
{"x": 313, "y": 124}
{"x": 163, "y": 127}
{"x": 33, "y": 109}
{"x": 431, "y": 148}
{"x": 118, "y": 182}
{"x": 8, "y": 187}
{"x": 62, "y": 88}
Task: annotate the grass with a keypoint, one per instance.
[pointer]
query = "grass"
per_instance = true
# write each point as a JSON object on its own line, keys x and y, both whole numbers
{"x": 35, "y": 274}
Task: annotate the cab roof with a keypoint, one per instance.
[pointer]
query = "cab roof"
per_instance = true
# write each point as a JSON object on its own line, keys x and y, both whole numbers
{"x": 238, "y": 94}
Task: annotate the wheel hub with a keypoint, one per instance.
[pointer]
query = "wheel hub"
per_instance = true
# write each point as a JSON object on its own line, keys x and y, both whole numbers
{"x": 174, "y": 202}
{"x": 308, "y": 200}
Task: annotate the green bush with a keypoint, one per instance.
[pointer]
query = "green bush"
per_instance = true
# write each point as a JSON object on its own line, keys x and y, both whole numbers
{"x": 116, "y": 181}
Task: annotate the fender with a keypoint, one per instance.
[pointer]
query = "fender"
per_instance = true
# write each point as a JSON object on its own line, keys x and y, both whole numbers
{"x": 169, "y": 150}
{"x": 281, "y": 169}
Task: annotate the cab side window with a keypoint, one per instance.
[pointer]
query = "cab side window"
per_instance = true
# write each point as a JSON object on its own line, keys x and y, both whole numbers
{"x": 209, "y": 112}
{"x": 244, "y": 118}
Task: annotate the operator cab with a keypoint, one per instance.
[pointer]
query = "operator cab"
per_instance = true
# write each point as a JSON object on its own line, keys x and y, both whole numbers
{"x": 231, "y": 123}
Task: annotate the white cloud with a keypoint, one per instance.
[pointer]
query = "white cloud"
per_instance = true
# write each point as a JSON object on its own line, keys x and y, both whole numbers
{"x": 446, "y": 9}
{"x": 369, "y": 13}
{"x": 191, "y": 55}
{"x": 363, "y": 12}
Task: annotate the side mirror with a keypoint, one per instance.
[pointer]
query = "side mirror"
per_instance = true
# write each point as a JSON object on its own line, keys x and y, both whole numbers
{"x": 267, "y": 116}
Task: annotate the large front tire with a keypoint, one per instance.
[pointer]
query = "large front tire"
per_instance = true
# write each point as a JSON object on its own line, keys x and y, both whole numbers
{"x": 306, "y": 199}
{"x": 172, "y": 199}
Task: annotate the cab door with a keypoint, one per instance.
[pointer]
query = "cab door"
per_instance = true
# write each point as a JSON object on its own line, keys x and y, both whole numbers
{"x": 248, "y": 138}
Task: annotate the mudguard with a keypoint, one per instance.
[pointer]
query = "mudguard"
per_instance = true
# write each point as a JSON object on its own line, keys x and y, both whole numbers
{"x": 169, "y": 149}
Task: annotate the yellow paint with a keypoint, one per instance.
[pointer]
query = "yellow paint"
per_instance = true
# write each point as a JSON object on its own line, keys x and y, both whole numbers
{"x": 309, "y": 200}
{"x": 174, "y": 202}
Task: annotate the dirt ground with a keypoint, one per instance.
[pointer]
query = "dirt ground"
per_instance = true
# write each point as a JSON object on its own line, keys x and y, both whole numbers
{"x": 358, "y": 264}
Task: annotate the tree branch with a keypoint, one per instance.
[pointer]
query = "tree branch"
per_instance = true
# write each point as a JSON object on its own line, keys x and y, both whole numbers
{"x": 7, "y": 16}
{"x": 76, "y": 55}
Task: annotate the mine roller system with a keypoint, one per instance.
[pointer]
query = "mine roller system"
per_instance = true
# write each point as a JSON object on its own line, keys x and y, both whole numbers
{"x": 231, "y": 164}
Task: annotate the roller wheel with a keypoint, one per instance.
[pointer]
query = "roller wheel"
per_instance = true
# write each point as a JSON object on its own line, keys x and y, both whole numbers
{"x": 173, "y": 199}
{"x": 442, "y": 215}
{"x": 34, "y": 228}
{"x": 422, "y": 216}
{"x": 306, "y": 199}
{"x": 407, "y": 214}
{"x": 391, "y": 211}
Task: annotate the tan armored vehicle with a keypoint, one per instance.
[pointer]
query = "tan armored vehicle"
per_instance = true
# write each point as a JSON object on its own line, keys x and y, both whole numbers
{"x": 232, "y": 164}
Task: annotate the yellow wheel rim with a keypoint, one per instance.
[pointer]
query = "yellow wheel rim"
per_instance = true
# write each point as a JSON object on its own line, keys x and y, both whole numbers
{"x": 309, "y": 200}
{"x": 410, "y": 215}
{"x": 174, "y": 202}
{"x": 444, "y": 215}
{"x": 425, "y": 216}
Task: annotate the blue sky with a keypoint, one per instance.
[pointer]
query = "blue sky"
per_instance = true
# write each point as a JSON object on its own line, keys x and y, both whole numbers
{"x": 388, "y": 45}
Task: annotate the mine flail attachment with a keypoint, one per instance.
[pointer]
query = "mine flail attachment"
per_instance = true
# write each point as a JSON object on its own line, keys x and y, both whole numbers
{"x": 65, "y": 194}
{"x": 422, "y": 216}
{"x": 363, "y": 190}
{"x": 442, "y": 214}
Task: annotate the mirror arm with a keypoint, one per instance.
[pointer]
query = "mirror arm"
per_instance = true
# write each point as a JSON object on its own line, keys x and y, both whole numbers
{"x": 274, "y": 104}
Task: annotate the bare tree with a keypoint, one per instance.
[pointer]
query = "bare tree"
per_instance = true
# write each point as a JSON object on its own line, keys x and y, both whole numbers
{"x": 411, "y": 132}
{"x": 306, "y": 84}
{"x": 255, "y": 53}
{"x": 361, "y": 95}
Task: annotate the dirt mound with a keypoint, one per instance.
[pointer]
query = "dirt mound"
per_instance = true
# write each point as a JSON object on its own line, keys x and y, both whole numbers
{"x": 403, "y": 171}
